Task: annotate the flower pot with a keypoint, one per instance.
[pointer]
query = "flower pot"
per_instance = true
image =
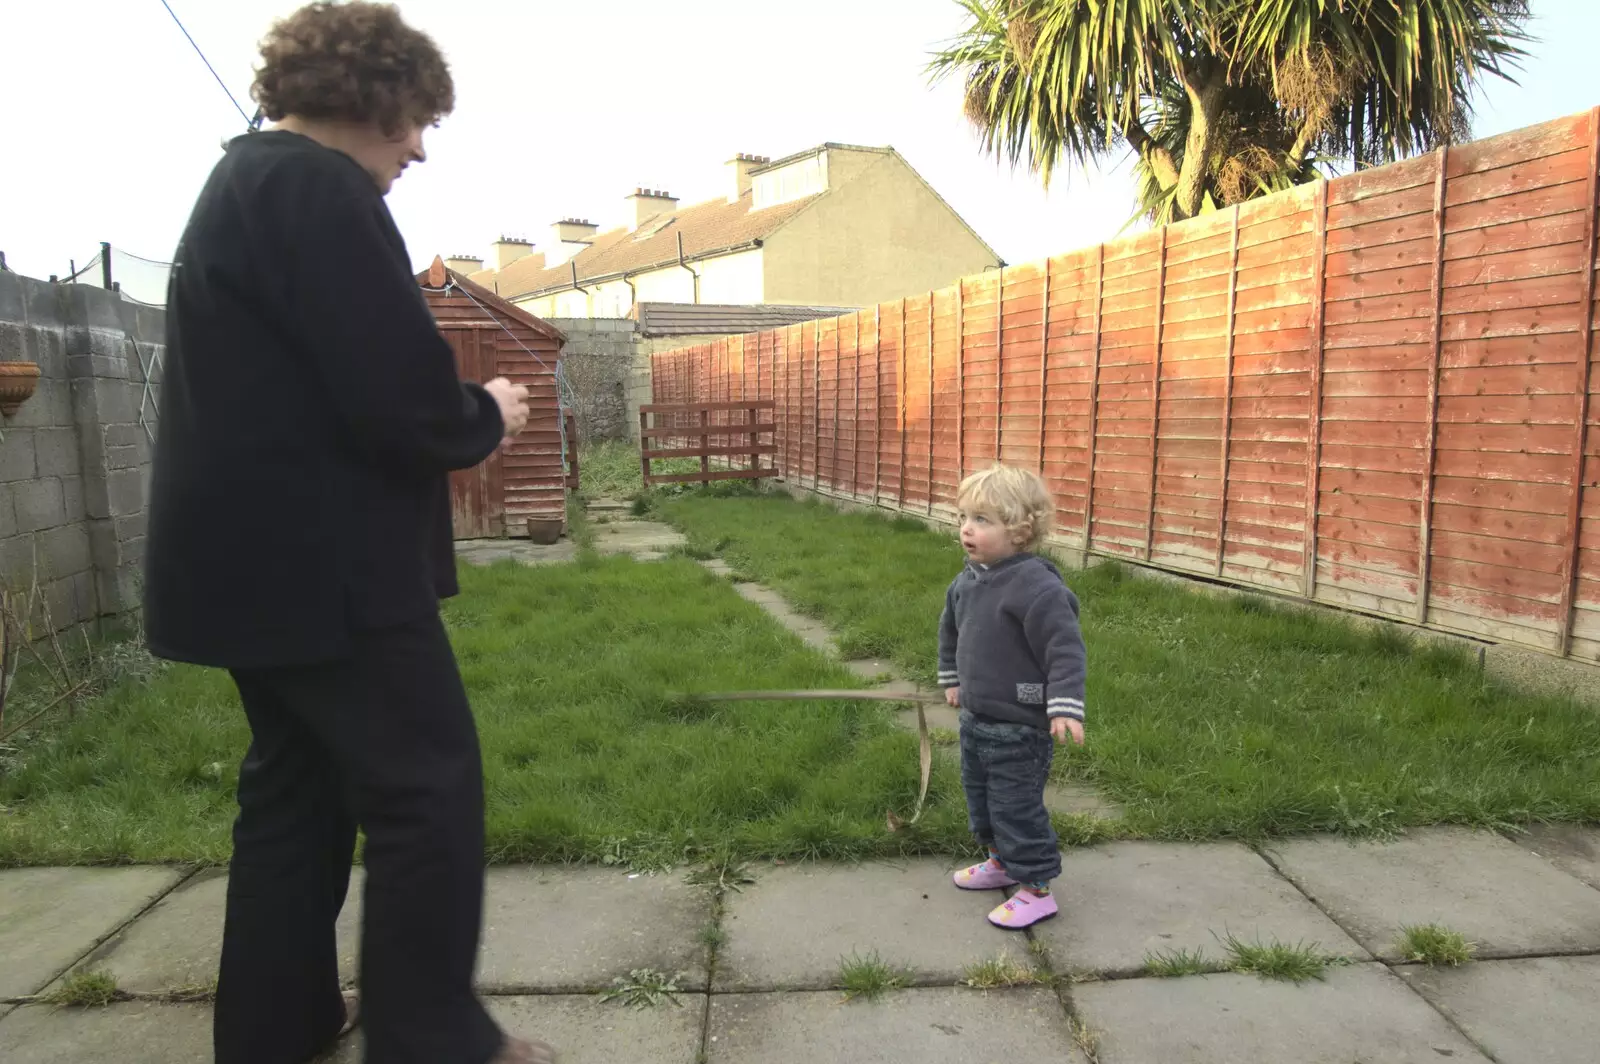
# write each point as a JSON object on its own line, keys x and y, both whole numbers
{"x": 541, "y": 531}
{"x": 17, "y": 382}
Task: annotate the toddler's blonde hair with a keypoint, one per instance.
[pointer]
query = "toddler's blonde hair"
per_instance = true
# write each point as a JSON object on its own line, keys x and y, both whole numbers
{"x": 1018, "y": 497}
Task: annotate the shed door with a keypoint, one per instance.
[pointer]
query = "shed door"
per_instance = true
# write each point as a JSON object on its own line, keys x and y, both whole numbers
{"x": 477, "y": 503}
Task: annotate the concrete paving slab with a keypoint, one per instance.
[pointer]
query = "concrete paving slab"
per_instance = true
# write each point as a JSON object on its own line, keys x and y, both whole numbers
{"x": 134, "y": 1032}
{"x": 933, "y": 1026}
{"x": 585, "y": 1030}
{"x": 1573, "y": 848}
{"x": 717, "y": 567}
{"x": 945, "y": 717}
{"x": 870, "y": 669}
{"x": 1538, "y": 1010}
{"x": 50, "y": 917}
{"x": 178, "y": 943}
{"x": 490, "y": 551}
{"x": 794, "y": 925}
{"x": 1079, "y": 799}
{"x": 1505, "y": 899}
{"x": 633, "y": 537}
{"x": 1124, "y": 900}
{"x": 811, "y": 632}
{"x": 1360, "y": 1013}
{"x": 551, "y": 929}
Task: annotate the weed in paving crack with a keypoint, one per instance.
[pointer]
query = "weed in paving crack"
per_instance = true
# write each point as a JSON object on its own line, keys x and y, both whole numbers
{"x": 868, "y": 977}
{"x": 84, "y": 990}
{"x": 1298, "y": 963}
{"x": 194, "y": 992}
{"x": 713, "y": 937}
{"x": 1171, "y": 964}
{"x": 644, "y": 988}
{"x": 1087, "y": 1040}
{"x": 1435, "y": 946}
{"x": 724, "y": 875}
{"x": 1002, "y": 971}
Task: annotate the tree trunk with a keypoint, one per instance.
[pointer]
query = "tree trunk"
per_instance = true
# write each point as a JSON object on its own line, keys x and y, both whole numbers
{"x": 1205, "y": 100}
{"x": 1206, "y": 106}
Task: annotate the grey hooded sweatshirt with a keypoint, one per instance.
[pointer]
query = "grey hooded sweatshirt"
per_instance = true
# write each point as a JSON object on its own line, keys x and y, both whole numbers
{"x": 1009, "y": 638}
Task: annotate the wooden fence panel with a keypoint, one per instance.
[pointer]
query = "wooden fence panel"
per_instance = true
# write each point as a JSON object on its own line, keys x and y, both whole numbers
{"x": 1375, "y": 392}
{"x": 891, "y": 402}
{"x": 1019, "y": 336}
{"x": 1070, "y": 345}
{"x": 945, "y": 457}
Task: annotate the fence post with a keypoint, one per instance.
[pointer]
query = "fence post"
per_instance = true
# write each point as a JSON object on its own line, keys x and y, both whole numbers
{"x": 1044, "y": 364}
{"x": 839, "y": 368}
{"x": 930, "y": 402}
{"x": 900, "y": 389}
{"x": 961, "y": 383}
{"x": 1430, "y": 453}
{"x": 1000, "y": 364}
{"x": 1094, "y": 396}
{"x": 855, "y": 418}
{"x": 645, "y": 440}
{"x": 816, "y": 405}
{"x": 877, "y": 401}
{"x": 105, "y": 265}
{"x": 1227, "y": 393}
{"x": 1569, "y": 583}
{"x": 1319, "y": 267}
{"x": 1155, "y": 394}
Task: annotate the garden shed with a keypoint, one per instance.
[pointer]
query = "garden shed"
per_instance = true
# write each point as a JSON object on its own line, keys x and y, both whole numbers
{"x": 521, "y": 490}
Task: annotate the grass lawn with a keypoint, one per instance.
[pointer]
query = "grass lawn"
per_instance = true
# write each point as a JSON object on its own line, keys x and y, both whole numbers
{"x": 584, "y": 757}
{"x": 1208, "y": 716}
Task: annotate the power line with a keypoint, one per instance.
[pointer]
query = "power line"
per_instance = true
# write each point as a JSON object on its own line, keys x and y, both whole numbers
{"x": 247, "y": 119}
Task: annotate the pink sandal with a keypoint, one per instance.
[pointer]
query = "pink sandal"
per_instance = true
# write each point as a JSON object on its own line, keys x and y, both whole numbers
{"x": 1024, "y": 910}
{"x": 990, "y": 875}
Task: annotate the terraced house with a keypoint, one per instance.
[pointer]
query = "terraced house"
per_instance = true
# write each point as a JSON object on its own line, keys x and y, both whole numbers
{"x": 834, "y": 226}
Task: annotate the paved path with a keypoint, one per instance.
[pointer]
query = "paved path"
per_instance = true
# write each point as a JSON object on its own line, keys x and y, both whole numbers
{"x": 758, "y": 967}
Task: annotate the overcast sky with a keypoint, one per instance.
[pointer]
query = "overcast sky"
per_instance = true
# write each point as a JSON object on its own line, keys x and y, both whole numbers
{"x": 112, "y": 122}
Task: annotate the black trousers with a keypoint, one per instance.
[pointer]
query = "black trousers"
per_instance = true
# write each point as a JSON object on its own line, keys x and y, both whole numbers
{"x": 383, "y": 740}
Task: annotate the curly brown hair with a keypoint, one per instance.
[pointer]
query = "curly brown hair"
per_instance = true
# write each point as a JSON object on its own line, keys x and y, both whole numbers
{"x": 355, "y": 62}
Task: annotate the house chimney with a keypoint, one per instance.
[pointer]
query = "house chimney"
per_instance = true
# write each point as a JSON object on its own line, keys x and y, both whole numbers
{"x": 509, "y": 249}
{"x": 464, "y": 264}
{"x": 650, "y": 203}
{"x": 567, "y": 238}
{"x": 739, "y": 170}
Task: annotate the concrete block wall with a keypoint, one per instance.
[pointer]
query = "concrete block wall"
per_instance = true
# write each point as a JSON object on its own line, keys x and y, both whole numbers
{"x": 75, "y": 458}
{"x": 599, "y": 364}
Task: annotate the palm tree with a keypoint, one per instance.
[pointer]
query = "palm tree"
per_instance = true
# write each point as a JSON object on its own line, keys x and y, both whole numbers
{"x": 1222, "y": 100}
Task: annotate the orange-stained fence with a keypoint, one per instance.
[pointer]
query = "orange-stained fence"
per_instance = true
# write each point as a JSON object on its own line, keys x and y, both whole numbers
{"x": 1372, "y": 392}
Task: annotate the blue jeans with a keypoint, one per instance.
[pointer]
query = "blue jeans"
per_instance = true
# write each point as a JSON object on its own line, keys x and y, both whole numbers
{"x": 1004, "y": 767}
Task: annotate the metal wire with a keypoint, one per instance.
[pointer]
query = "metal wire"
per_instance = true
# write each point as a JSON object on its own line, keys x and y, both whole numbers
{"x": 248, "y": 121}
{"x": 85, "y": 268}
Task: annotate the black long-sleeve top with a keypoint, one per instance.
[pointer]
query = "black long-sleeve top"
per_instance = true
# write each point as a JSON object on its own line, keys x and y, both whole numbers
{"x": 310, "y": 414}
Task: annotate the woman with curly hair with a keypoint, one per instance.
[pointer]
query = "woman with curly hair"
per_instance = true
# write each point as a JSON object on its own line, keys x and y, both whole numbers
{"x": 300, "y": 538}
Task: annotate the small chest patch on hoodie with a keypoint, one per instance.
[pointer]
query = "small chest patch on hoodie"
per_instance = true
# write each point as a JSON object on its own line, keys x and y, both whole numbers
{"x": 1030, "y": 694}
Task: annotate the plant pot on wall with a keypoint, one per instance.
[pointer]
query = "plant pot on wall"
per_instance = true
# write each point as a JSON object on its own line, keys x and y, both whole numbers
{"x": 17, "y": 382}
